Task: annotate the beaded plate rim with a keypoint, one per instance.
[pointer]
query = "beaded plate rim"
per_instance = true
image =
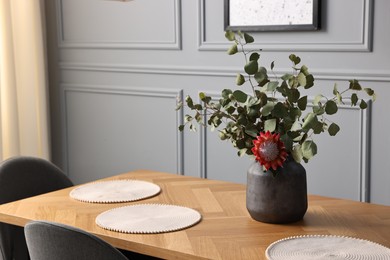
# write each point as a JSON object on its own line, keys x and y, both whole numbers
{"x": 191, "y": 220}
{"x": 157, "y": 189}
{"x": 273, "y": 244}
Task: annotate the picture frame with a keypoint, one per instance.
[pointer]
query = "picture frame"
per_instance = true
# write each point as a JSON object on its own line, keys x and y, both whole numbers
{"x": 272, "y": 15}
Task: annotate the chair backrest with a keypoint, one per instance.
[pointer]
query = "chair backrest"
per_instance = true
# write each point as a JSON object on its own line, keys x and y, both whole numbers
{"x": 49, "y": 240}
{"x": 22, "y": 177}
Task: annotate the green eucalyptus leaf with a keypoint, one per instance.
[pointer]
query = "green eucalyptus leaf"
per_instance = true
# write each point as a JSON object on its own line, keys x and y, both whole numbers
{"x": 363, "y": 104}
{"x": 192, "y": 128}
{"x": 251, "y": 132}
{"x": 254, "y": 56}
{"x": 302, "y": 103}
{"x": 226, "y": 93}
{"x": 179, "y": 105}
{"x": 240, "y": 110}
{"x": 261, "y": 76}
{"x": 181, "y": 128}
{"x": 298, "y": 138}
{"x": 242, "y": 120}
{"x": 253, "y": 114}
{"x": 198, "y": 117}
{"x": 248, "y": 38}
{"x": 251, "y": 67}
{"x": 267, "y": 108}
{"x": 297, "y": 153}
{"x": 224, "y": 102}
{"x": 318, "y": 110}
{"x": 302, "y": 79}
{"x": 293, "y": 95}
{"x": 283, "y": 89}
{"x": 309, "y": 81}
{"x": 242, "y": 152}
{"x": 204, "y": 98}
{"x": 240, "y": 96}
{"x": 271, "y": 86}
{"x": 295, "y": 59}
{"x": 270, "y": 125}
{"x": 233, "y": 49}
{"x": 286, "y": 125}
{"x": 287, "y": 76}
{"x": 288, "y": 142}
{"x": 335, "y": 90}
{"x": 198, "y": 107}
{"x": 187, "y": 118}
{"x": 318, "y": 127}
{"x": 296, "y": 126}
{"x": 354, "y": 99}
{"x": 222, "y": 135}
{"x": 215, "y": 121}
{"x": 272, "y": 65}
{"x": 249, "y": 142}
{"x": 240, "y": 79}
{"x": 371, "y": 93}
{"x": 303, "y": 138}
{"x": 293, "y": 82}
{"x": 279, "y": 111}
{"x": 339, "y": 99}
{"x": 216, "y": 106}
{"x": 189, "y": 102}
{"x": 309, "y": 149}
{"x": 331, "y": 107}
{"x": 317, "y": 99}
{"x": 305, "y": 70}
{"x": 263, "y": 70}
{"x": 354, "y": 84}
{"x": 262, "y": 97}
{"x": 294, "y": 113}
{"x": 310, "y": 119}
{"x": 240, "y": 143}
{"x": 253, "y": 101}
{"x": 293, "y": 134}
{"x": 230, "y": 110}
{"x": 333, "y": 129}
{"x": 230, "y": 35}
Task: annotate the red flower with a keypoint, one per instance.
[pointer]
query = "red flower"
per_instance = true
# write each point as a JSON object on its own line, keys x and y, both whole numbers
{"x": 269, "y": 150}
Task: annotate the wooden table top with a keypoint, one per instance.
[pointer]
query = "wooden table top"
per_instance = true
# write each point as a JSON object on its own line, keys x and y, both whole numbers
{"x": 226, "y": 230}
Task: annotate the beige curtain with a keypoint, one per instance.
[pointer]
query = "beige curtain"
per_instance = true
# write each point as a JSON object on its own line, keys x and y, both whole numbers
{"x": 23, "y": 80}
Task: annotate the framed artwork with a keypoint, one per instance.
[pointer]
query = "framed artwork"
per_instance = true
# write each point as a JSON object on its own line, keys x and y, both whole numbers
{"x": 272, "y": 15}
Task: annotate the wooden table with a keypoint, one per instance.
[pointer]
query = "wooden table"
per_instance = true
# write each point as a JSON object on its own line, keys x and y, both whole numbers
{"x": 226, "y": 230}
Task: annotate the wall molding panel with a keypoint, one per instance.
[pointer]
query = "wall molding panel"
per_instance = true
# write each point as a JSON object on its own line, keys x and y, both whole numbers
{"x": 364, "y": 127}
{"x": 363, "y": 43}
{"x": 173, "y": 94}
{"x": 367, "y": 75}
{"x": 131, "y": 42}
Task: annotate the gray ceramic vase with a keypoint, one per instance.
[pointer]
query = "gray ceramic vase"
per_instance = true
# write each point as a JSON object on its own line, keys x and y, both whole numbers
{"x": 279, "y": 200}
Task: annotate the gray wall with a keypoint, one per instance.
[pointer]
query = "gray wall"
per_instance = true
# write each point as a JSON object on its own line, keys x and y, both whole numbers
{"x": 117, "y": 67}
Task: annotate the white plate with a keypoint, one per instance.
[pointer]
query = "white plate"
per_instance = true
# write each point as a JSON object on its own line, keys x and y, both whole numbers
{"x": 115, "y": 191}
{"x": 148, "y": 218}
{"x": 326, "y": 247}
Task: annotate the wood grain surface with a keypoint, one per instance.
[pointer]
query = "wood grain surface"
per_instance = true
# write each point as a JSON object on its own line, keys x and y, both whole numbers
{"x": 226, "y": 230}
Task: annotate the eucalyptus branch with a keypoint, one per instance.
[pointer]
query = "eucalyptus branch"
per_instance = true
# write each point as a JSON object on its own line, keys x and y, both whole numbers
{"x": 244, "y": 117}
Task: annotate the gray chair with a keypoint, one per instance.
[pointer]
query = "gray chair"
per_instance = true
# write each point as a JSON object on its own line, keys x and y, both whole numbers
{"x": 49, "y": 240}
{"x": 22, "y": 177}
